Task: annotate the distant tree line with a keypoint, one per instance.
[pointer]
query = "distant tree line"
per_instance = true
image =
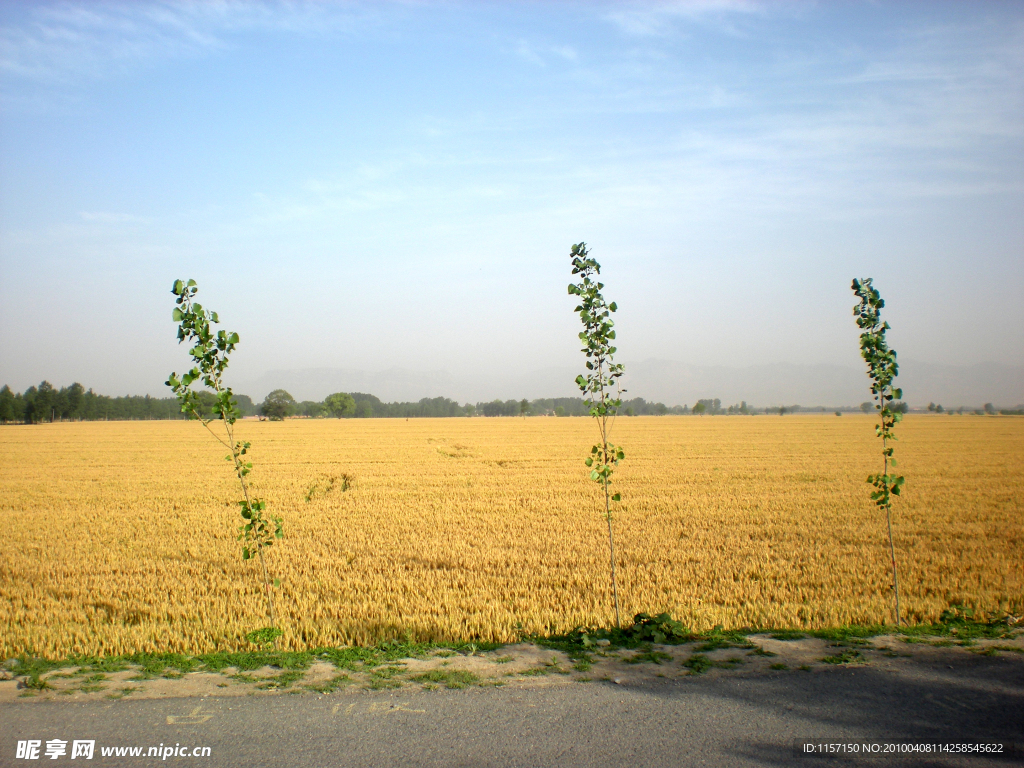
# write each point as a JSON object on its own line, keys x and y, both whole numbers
{"x": 570, "y": 406}
{"x": 46, "y": 403}
{"x": 359, "y": 405}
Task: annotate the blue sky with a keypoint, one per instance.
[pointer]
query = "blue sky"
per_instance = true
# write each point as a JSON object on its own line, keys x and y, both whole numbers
{"x": 378, "y": 185}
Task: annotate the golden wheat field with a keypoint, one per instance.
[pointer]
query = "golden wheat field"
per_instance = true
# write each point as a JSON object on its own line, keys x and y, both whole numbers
{"x": 120, "y": 537}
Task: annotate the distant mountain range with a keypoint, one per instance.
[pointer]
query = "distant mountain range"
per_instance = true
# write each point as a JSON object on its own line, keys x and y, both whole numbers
{"x": 670, "y": 382}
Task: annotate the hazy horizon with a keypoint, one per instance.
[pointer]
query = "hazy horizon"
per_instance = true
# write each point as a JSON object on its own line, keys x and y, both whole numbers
{"x": 388, "y": 186}
{"x": 667, "y": 381}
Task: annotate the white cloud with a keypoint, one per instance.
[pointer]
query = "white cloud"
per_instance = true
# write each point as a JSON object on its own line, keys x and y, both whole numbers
{"x": 65, "y": 42}
{"x": 539, "y": 54}
{"x": 106, "y": 217}
{"x": 657, "y": 19}
{"x": 567, "y": 52}
{"x": 527, "y": 52}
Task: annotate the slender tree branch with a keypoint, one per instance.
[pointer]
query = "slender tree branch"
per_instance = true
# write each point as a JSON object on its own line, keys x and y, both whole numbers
{"x": 882, "y": 369}
{"x": 597, "y": 336}
{"x": 210, "y": 355}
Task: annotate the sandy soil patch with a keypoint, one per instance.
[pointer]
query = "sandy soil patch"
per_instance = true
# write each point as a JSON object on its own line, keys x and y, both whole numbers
{"x": 519, "y": 665}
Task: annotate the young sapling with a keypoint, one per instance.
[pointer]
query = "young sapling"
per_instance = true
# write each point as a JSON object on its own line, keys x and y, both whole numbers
{"x": 210, "y": 354}
{"x": 882, "y": 370}
{"x": 602, "y": 375}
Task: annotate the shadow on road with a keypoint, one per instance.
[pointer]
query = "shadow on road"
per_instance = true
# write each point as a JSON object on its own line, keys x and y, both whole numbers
{"x": 950, "y": 697}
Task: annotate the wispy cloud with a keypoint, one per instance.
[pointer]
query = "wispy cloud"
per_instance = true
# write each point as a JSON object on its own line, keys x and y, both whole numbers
{"x": 65, "y": 42}
{"x": 656, "y": 19}
{"x": 539, "y": 54}
{"x": 567, "y": 52}
{"x": 924, "y": 118}
{"x": 528, "y": 53}
{"x": 107, "y": 217}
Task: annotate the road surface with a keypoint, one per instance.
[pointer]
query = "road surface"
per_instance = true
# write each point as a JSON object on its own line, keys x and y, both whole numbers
{"x": 717, "y": 719}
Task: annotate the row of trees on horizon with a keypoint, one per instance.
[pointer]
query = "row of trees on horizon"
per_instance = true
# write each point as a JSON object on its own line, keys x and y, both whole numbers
{"x": 46, "y": 403}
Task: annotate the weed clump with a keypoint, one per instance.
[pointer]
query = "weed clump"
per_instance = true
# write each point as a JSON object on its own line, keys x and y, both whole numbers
{"x": 449, "y": 678}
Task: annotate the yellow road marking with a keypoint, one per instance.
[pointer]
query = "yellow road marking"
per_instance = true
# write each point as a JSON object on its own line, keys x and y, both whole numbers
{"x": 192, "y": 718}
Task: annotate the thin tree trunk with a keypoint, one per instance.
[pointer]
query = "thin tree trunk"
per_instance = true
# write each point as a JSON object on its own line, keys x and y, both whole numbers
{"x": 259, "y": 544}
{"x": 895, "y": 577}
{"x": 611, "y": 547}
{"x": 892, "y": 549}
{"x": 603, "y": 423}
{"x": 259, "y": 549}
{"x": 248, "y": 503}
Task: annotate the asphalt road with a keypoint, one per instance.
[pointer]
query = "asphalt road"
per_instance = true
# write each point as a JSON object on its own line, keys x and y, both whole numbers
{"x": 712, "y": 720}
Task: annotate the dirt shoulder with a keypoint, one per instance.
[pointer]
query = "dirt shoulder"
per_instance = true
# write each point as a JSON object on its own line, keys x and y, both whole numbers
{"x": 520, "y": 665}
